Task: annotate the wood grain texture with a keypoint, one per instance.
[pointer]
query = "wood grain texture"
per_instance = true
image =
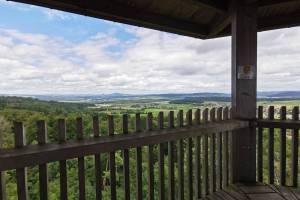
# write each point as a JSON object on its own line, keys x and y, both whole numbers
{"x": 81, "y": 164}
{"x": 180, "y": 163}
{"x": 260, "y": 147}
{"x": 150, "y": 159}
{"x": 126, "y": 169}
{"x": 171, "y": 147}
{"x": 161, "y": 158}
{"x": 271, "y": 147}
{"x": 62, "y": 136}
{"x": 112, "y": 160}
{"x": 282, "y": 148}
{"x": 295, "y": 148}
{"x": 43, "y": 171}
{"x": 138, "y": 158}
{"x": 98, "y": 164}
{"x": 17, "y": 158}
{"x": 21, "y": 173}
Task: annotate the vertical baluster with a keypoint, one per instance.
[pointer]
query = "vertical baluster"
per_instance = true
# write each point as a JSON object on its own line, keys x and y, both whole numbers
{"x": 21, "y": 173}
{"x": 150, "y": 160}
{"x": 2, "y": 186}
{"x": 43, "y": 171}
{"x": 139, "y": 184}
{"x": 171, "y": 191}
{"x": 260, "y": 147}
{"x": 98, "y": 167}
{"x": 180, "y": 159}
{"x": 230, "y": 177}
{"x": 212, "y": 154}
{"x": 205, "y": 154}
{"x": 295, "y": 146}
{"x": 126, "y": 160}
{"x": 283, "y": 148}
{"x": 225, "y": 152}
{"x": 81, "y": 165}
{"x": 161, "y": 162}
{"x": 189, "y": 119}
{"x": 112, "y": 161}
{"x": 271, "y": 147}
{"x": 63, "y": 164}
{"x": 219, "y": 152}
{"x": 198, "y": 158}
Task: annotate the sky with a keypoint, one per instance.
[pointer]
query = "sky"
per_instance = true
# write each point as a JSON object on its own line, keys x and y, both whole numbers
{"x": 45, "y": 51}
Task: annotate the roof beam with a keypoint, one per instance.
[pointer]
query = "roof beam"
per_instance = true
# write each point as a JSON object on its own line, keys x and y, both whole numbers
{"x": 123, "y": 13}
{"x": 269, "y": 3}
{"x": 219, "y": 6}
{"x": 219, "y": 25}
{"x": 286, "y": 21}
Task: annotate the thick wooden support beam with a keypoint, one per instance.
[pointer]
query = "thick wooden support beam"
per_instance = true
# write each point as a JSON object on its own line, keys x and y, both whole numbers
{"x": 36, "y": 154}
{"x": 244, "y": 61}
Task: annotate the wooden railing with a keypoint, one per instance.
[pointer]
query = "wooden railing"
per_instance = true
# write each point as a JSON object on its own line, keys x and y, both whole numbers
{"x": 278, "y": 145}
{"x": 196, "y": 154}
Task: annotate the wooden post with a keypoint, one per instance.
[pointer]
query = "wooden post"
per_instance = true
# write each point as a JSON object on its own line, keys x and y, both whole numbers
{"x": 244, "y": 81}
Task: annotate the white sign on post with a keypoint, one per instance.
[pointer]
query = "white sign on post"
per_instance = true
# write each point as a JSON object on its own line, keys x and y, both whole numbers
{"x": 246, "y": 72}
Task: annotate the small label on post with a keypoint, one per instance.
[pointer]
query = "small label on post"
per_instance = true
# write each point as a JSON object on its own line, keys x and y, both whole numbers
{"x": 246, "y": 72}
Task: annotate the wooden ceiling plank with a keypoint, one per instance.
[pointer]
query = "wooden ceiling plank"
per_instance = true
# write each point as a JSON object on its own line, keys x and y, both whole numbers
{"x": 219, "y": 6}
{"x": 219, "y": 26}
{"x": 270, "y": 3}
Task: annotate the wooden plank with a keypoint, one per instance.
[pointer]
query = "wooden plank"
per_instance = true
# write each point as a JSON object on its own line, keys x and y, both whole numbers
{"x": 217, "y": 6}
{"x": 244, "y": 90}
{"x": 150, "y": 160}
{"x": 271, "y": 147}
{"x": 126, "y": 169}
{"x": 219, "y": 175}
{"x": 81, "y": 165}
{"x": 189, "y": 119}
{"x": 225, "y": 152}
{"x": 295, "y": 148}
{"x": 98, "y": 167}
{"x": 205, "y": 154}
{"x": 212, "y": 151}
{"x": 198, "y": 185}
{"x": 171, "y": 175}
{"x": 35, "y": 154}
{"x": 283, "y": 148}
{"x": 139, "y": 169}
{"x": 276, "y": 123}
{"x": 21, "y": 173}
{"x": 180, "y": 159}
{"x": 112, "y": 161}
{"x": 62, "y": 163}
{"x": 2, "y": 186}
{"x": 161, "y": 162}
{"x": 43, "y": 171}
{"x": 260, "y": 147}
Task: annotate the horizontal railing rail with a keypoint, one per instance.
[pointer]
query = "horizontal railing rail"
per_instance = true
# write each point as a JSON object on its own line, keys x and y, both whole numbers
{"x": 195, "y": 151}
{"x": 44, "y": 153}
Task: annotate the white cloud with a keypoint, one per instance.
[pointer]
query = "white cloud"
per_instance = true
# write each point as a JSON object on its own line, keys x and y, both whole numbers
{"x": 153, "y": 62}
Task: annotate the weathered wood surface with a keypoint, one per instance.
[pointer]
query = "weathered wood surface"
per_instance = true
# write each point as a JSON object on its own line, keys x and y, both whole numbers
{"x": 256, "y": 191}
{"x": 36, "y": 154}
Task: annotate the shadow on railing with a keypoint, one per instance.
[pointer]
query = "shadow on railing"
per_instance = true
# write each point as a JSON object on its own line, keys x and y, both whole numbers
{"x": 185, "y": 161}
